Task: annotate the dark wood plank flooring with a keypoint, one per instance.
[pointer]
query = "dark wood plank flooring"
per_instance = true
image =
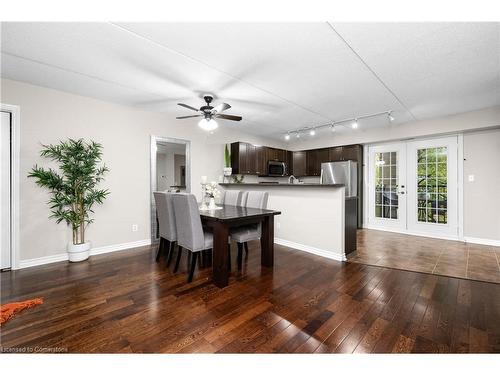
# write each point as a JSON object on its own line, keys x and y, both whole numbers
{"x": 125, "y": 302}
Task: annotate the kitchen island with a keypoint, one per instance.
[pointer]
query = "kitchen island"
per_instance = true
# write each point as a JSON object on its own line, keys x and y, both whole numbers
{"x": 313, "y": 216}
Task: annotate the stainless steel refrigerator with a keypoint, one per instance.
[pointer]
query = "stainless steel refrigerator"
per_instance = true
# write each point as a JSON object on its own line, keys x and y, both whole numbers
{"x": 341, "y": 172}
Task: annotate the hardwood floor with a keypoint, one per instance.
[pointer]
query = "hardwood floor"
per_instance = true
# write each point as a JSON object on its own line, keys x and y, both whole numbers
{"x": 126, "y": 302}
{"x": 429, "y": 255}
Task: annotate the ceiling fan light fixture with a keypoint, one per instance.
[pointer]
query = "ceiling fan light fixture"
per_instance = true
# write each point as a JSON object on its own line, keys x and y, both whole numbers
{"x": 208, "y": 124}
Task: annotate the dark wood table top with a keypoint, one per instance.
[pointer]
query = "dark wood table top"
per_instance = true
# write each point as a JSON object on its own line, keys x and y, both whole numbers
{"x": 234, "y": 213}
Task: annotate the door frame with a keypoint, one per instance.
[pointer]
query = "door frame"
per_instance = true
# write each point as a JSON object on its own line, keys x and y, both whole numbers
{"x": 15, "y": 113}
{"x": 153, "y": 178}
{"x": 460, "y": 186}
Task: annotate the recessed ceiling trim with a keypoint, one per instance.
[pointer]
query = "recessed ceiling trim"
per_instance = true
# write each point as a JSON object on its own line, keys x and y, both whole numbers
{"x": 372, "y": 71}
{"x": 220, "y": 71}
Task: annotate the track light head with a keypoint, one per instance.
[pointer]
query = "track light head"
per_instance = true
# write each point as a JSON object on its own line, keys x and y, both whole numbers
{"x": 312, "y": 132}
{"x": 355, "y": 124}
{"x": 287, "y": 137}
{"x": 391, "y": 117}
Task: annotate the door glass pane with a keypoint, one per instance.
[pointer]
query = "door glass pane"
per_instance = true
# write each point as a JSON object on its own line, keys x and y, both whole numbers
{"x": 432, "y": 185}
{"x": 386, "y": 185}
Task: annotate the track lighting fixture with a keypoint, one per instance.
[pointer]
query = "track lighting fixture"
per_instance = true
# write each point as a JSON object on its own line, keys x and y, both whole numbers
{"x": 333, "y": 125}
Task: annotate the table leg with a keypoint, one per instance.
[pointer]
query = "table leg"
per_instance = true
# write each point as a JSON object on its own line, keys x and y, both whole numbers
{"x": 267, "y": 242}
{"x": 220, "y": 272}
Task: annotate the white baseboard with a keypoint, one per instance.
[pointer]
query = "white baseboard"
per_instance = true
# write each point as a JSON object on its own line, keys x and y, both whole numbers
{"x": 482, "y": 241}
{"x": 95, "y": 251}
{"x": 310, "y": 249}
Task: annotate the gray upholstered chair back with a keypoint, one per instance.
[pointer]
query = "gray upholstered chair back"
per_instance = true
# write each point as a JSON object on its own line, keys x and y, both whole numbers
{"x": 243, "y": 200}
{"x": 232, "y": 197}
{"x": 257, "y": 199}
{"x": 166, "y": 215}
{"x": 187, "y": 217}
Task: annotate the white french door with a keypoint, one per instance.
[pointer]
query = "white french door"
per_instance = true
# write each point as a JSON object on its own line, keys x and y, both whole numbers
{"x": 413, "y": 187}
{"x": 387, "y": 181}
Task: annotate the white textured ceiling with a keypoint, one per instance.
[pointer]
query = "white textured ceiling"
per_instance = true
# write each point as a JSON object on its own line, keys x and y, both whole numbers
{"x": 278, "y": 76}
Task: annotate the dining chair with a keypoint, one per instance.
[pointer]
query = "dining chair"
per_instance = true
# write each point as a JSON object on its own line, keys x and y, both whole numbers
{"x": 190, "y": 233}
{"x": 243, "y": 200}
{"x": 232, "y": 197}
{"x": 166, "y": 221}
{"x": 255, "y": 199}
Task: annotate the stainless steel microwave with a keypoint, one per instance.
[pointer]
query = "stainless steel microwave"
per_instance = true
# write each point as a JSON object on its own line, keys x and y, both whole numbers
{"x": 276, "y": 168}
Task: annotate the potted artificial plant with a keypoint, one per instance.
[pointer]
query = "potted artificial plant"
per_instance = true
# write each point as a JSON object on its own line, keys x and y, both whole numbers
{"x": 228, "y": 171}
{"x": 73, "y": 188}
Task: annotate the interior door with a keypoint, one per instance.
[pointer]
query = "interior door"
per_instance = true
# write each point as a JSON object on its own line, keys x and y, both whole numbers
{"x": 5, "y": 231}
{"x": 432, "y": 187}
{"x": 387, "y": 195}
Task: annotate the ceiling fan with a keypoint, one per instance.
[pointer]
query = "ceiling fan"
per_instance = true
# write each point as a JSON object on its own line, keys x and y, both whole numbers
{"x": 209, "y": 112}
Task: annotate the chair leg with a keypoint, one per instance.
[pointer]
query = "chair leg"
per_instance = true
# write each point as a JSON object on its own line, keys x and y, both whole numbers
{"x": 240, "y": 254}
{"x": 178, "y": 260}
{"x": 160, "y": 248}
{"x": 170, "y": 253}
{"x": 194, "y": 257}
{"x": 166, "y": 248}
{"x": 246, "y": 249}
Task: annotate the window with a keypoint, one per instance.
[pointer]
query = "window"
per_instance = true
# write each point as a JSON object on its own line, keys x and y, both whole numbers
{"x": 432, "y": 185}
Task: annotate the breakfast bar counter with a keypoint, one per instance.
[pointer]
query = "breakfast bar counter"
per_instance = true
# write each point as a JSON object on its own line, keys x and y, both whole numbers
{"x": 312, "y": 215}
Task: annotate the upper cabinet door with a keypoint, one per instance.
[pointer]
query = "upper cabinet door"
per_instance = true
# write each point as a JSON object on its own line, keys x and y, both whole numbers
{"x": 323, "y": 157}
{"x": 335, "y": 153}
{"x": 260, "y": 160}
{"x": 312, "y": 163}
{"x": 299, "y": 163}
{"x": 351, "y": 152}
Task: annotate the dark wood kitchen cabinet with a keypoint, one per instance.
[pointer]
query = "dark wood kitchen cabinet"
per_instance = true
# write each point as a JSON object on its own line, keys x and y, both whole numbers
{"x": 243, "y": 158}
{"x": 314, "y": 160}
{"x": 299, "y": 163}
{"x": 252, "y": 159}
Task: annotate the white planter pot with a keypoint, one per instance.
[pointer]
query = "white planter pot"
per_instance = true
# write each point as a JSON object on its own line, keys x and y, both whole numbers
{"x": 228, "y": 171}
{"x": 78, "y": 253}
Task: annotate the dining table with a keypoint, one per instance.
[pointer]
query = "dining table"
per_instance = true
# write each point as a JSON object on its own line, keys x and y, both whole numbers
{"x": 225, "y": 217}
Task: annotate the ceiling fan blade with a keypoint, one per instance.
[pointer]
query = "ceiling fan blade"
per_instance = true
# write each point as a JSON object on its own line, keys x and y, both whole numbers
{"x": 188, "y": 107}
{"x": 229, "y": 117}
{"x": 221, "y": 107}
{"x": 182, "y": 117}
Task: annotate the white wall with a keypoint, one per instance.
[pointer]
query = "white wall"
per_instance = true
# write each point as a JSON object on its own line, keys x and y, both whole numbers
{"x": 48, "y": 116}
{"x": 482, "y": 196}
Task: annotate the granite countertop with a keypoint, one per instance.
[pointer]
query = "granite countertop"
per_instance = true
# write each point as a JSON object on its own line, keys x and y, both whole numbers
{"x": 280, "y": 184}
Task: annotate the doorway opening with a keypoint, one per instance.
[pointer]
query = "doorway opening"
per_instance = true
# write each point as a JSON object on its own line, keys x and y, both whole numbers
{"x": 170, "y": 171}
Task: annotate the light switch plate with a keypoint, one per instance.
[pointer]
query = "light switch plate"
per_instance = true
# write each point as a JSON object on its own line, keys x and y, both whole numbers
{"x": 471, "y": 178}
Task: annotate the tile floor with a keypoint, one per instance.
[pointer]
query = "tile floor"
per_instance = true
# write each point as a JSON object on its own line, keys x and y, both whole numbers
{"x": 429, "y": 255}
